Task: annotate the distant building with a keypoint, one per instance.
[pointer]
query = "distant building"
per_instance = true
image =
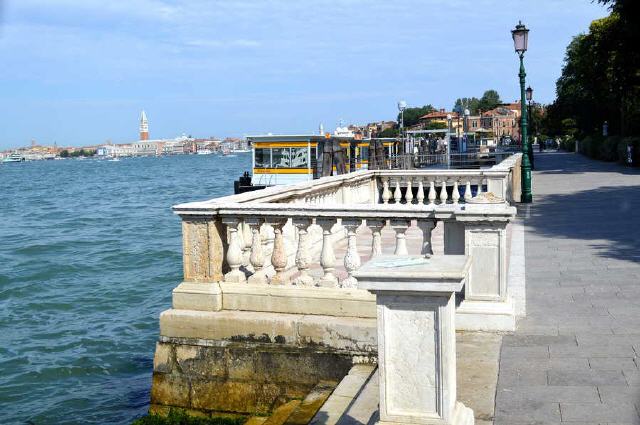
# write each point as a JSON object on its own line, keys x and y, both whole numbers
{"x": 503, "y": 122}
{"x": 144, "y": 126}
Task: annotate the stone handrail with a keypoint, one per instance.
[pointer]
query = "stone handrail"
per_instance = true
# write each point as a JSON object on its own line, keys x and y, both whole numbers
{"x": 261, "y": 242}
{"x": 362, "y": 186}
{"x": 278, "y": 235}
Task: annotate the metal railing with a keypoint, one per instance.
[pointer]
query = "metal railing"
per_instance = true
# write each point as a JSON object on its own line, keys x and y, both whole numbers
{"x": 467, "y": 160}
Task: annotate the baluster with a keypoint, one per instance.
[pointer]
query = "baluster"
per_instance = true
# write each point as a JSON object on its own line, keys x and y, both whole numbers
{"x": 234, "y": 252}
{"x": 279, "y": 254}
{"x": 408, "y": 196}
{"x": 479, "y": 191}
{"x": 247, "y": 239}
{"x": 420, "y": 195}
{"x": 386, "y": 193}
{"x": 257, "y": 253}
{"x": 443, "y": 192}
{"x": 401, "y": 226}
{"x": 467, "y": 191}
{"x": 327, "y": 257}
{"x": 351, "y": 258}
{"x": 427, "y": 227}
{"x": 455, "y": 194}
{"x": 376, "y": 240}
{"x": 432, "y": 192}
{"x": 267, "y": 242}
{"x": 397, "y": 194}
{"x": 303, "y": 254}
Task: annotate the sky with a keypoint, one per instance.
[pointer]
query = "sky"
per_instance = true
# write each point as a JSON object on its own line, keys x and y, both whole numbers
{"x": 78, "y": 72}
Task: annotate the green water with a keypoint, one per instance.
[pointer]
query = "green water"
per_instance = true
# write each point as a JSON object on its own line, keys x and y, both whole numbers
{"x": 89, "y": 254}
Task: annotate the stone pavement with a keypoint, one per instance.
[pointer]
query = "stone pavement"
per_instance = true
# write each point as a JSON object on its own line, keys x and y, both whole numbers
{"x": 573, "y": 358}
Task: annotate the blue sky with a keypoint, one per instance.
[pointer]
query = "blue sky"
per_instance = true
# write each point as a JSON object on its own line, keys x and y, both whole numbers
{"x": 78, "y": 72}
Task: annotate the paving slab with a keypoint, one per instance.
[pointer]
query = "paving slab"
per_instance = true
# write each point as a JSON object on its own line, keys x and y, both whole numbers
{"x": 574, "y": 358}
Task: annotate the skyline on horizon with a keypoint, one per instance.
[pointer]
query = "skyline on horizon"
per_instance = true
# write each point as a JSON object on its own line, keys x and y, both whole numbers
{"x": 79, "y": 74}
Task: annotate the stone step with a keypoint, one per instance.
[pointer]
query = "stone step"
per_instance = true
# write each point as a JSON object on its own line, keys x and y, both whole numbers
{"x": 282, "y": 413}
{"x": 343, "y": 396}
{"x": 305, "y": 412}
{"x": 364, "y": 408}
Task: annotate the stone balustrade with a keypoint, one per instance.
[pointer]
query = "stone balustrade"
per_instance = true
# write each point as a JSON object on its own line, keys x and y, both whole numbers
{"x": 275, "y": 272}
{"x": 269, "y": 236}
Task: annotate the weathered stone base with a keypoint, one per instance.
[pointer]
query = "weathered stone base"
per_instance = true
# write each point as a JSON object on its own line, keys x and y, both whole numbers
{"x": 239, "y": 377}
{"x": 462, "y": 415}
{"x": 486, "y": 316}
{"x": 353, "y": 334}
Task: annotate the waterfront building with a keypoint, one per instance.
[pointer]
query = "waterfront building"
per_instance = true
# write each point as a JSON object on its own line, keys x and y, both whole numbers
{"x": 503, "y": 122}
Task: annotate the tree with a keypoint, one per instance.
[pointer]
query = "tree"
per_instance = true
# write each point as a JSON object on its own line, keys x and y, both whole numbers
{"x": 412, "y": 115}
{"x": 388, "y": 132}
{"x": 470, "y": 103}
{"x": 64, "y": 153}
{"x": 489, "y": 100}
{"x": 600, "y": 79}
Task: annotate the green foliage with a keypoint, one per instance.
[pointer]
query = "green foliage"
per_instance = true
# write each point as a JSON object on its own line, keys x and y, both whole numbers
{"x": 64, "y": 153}
{"x": 489, "y": 100}
{"x": 179, "y": 417}
{"x": 613, "y": 148}
{"x": 470, "y": 103}
{"x": 436, "y": 125}
{"x": 568, "y": 144}
{"x": 81, "y": 152}
{"x": 412, "y": 115}
{"x": 388, "y": 132}
{"x": 600, "y": 79}
{"x": 608, "y": 148}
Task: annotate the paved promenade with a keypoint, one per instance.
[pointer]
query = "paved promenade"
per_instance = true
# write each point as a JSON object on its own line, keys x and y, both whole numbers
{"x": 574, "y": 358}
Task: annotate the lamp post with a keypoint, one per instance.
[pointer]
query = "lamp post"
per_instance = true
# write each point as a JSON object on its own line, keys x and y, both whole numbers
{"x": 520, "y": 38}
{"x": 529, "y": 96}
{"x": 402, "y": 105}
{"x": 465, "y": 128}
{"x": 448, "y": 141}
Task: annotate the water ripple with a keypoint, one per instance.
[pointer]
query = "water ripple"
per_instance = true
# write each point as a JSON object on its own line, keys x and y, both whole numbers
{"x": 90, "y": 252}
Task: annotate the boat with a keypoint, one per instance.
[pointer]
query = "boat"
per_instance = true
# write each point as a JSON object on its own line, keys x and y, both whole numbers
{"x": 205, "y": 152}
{"x": 289, "y": 159}
{"x": 14, "y": 157}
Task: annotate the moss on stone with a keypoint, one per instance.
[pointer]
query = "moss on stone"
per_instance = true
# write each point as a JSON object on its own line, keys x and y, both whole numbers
{"x": 180, "y": 417}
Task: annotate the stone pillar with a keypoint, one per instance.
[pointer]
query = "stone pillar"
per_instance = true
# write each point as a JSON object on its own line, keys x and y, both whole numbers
{"x": 416, "y": 337}
{"x": 376, "y": 237}
{"x": 257, "y": 253}
{"x": 234, "y": 251}
{"x": 351, "y": 258}
{"x": 487, "y": 305}
{"x": 203, "y": 249}
{"x": 401, "y": 226}
{"x": 327, "y": 257}
{"x": 279, "y": 254}
{"x": 427, "y": 227}
{"x": 303, "y": 254}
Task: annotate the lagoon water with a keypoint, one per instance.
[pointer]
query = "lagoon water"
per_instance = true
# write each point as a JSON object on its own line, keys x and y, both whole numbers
{"x": 89, "y": 254}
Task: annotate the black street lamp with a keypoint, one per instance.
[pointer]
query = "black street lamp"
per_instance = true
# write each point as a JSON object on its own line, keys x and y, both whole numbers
{"x": 520, "y": 40}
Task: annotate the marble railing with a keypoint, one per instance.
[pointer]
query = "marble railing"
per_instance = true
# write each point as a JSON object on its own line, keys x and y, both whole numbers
{"x": 272, "y": 243}
{"x": 288, "y": 235}
{"x": 274, "y": 235}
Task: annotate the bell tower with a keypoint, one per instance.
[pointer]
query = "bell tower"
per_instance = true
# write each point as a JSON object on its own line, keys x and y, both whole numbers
{"x": 144, "y": 126}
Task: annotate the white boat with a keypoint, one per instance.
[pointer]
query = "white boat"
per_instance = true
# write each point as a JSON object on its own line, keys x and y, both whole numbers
{"x": 14, "y": 157}
{"x": 205, "y": 152}
{"x": 241, "y": 150}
